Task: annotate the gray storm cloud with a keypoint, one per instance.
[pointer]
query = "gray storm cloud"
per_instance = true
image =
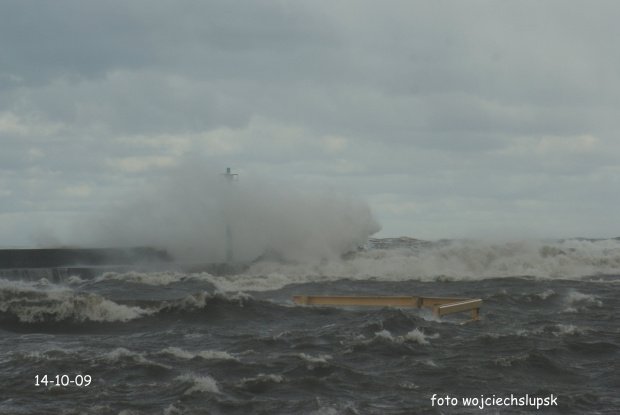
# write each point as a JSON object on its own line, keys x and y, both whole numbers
{"x": 452, "y": 120}
{"x": 196, "y": 214}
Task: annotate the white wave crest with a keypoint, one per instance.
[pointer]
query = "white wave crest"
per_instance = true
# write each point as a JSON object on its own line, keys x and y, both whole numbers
{"x": 152, "y": 278}
{"x": 567, "y": 329}
{"x": 576, "y": 300}
{"x": 180, "y": 353}
{"x": 457, "y": 260}
{"x": 189, "y": 302}
{"x": 74, "y": 280}
{"x": 199, "y": 383}
{"x": 32, "y": 305}
{"x": 262, "y": 377}
{"x": 172, "y": 410}
{"x": 315, "y": 359}
{"x": 413, "y": 336}
{"x": 205, "y": 354}
{"x": 198, "y": 300}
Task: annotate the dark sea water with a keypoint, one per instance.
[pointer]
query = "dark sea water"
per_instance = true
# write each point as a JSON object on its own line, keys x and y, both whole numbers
{"x": 169, "y": 341}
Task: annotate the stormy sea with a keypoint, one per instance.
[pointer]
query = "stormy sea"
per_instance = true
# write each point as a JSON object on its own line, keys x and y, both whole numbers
{"x": 180, "y": 338}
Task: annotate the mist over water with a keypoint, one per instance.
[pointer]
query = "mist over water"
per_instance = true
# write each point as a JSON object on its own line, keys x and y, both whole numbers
{"x": 191, "y": 211}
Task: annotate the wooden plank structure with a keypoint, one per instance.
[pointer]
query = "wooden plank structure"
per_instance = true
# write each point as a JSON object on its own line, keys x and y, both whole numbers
{"x": 441, "y": 305}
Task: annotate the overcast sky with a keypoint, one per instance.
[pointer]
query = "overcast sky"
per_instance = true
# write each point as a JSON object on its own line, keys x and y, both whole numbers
{"x": 450, "y": 119}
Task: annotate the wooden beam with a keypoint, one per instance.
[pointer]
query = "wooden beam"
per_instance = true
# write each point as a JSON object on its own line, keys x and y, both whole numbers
{"x": 355, "y": 300}
{"x": 433, "y": 301}
{"x": 441, "y": 305}
{"x": 467, "y": 305}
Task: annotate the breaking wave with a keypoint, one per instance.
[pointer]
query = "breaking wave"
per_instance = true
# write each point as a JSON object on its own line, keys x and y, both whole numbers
{"x": 402, "y": 259}
{"x": 414, "y": 336}
{"x": 25, "y": 304}
{"x": 198, "y": 384}
{"x": 30, "y": 305}
{"x": 204, "y": 354}
{"x": 451, "y": 260}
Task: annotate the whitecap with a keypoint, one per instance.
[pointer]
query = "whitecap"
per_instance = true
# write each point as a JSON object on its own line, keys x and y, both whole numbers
{"x": 576, "y": 298}
{"x": 199, "y": 383}
{"x": 32, "y": 305}
{"x": 153, "y": 278}
{"x": 264, "y": 378}
{"x": 204, "y": 354}
{"x": 315, "y": 359}
{"x": 412, "y": 336}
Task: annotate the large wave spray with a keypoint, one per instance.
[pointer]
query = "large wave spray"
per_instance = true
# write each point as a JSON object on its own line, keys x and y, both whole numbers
{"x": 194, "y": 213}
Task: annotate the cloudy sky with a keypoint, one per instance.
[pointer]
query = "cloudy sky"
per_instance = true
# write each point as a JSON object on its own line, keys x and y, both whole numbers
{"x": 450, "y": 119}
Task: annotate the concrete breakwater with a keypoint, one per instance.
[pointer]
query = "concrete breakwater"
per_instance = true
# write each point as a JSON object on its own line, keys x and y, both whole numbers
{"x": 58, "y": 264}
{"x": 80, "y": 257}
